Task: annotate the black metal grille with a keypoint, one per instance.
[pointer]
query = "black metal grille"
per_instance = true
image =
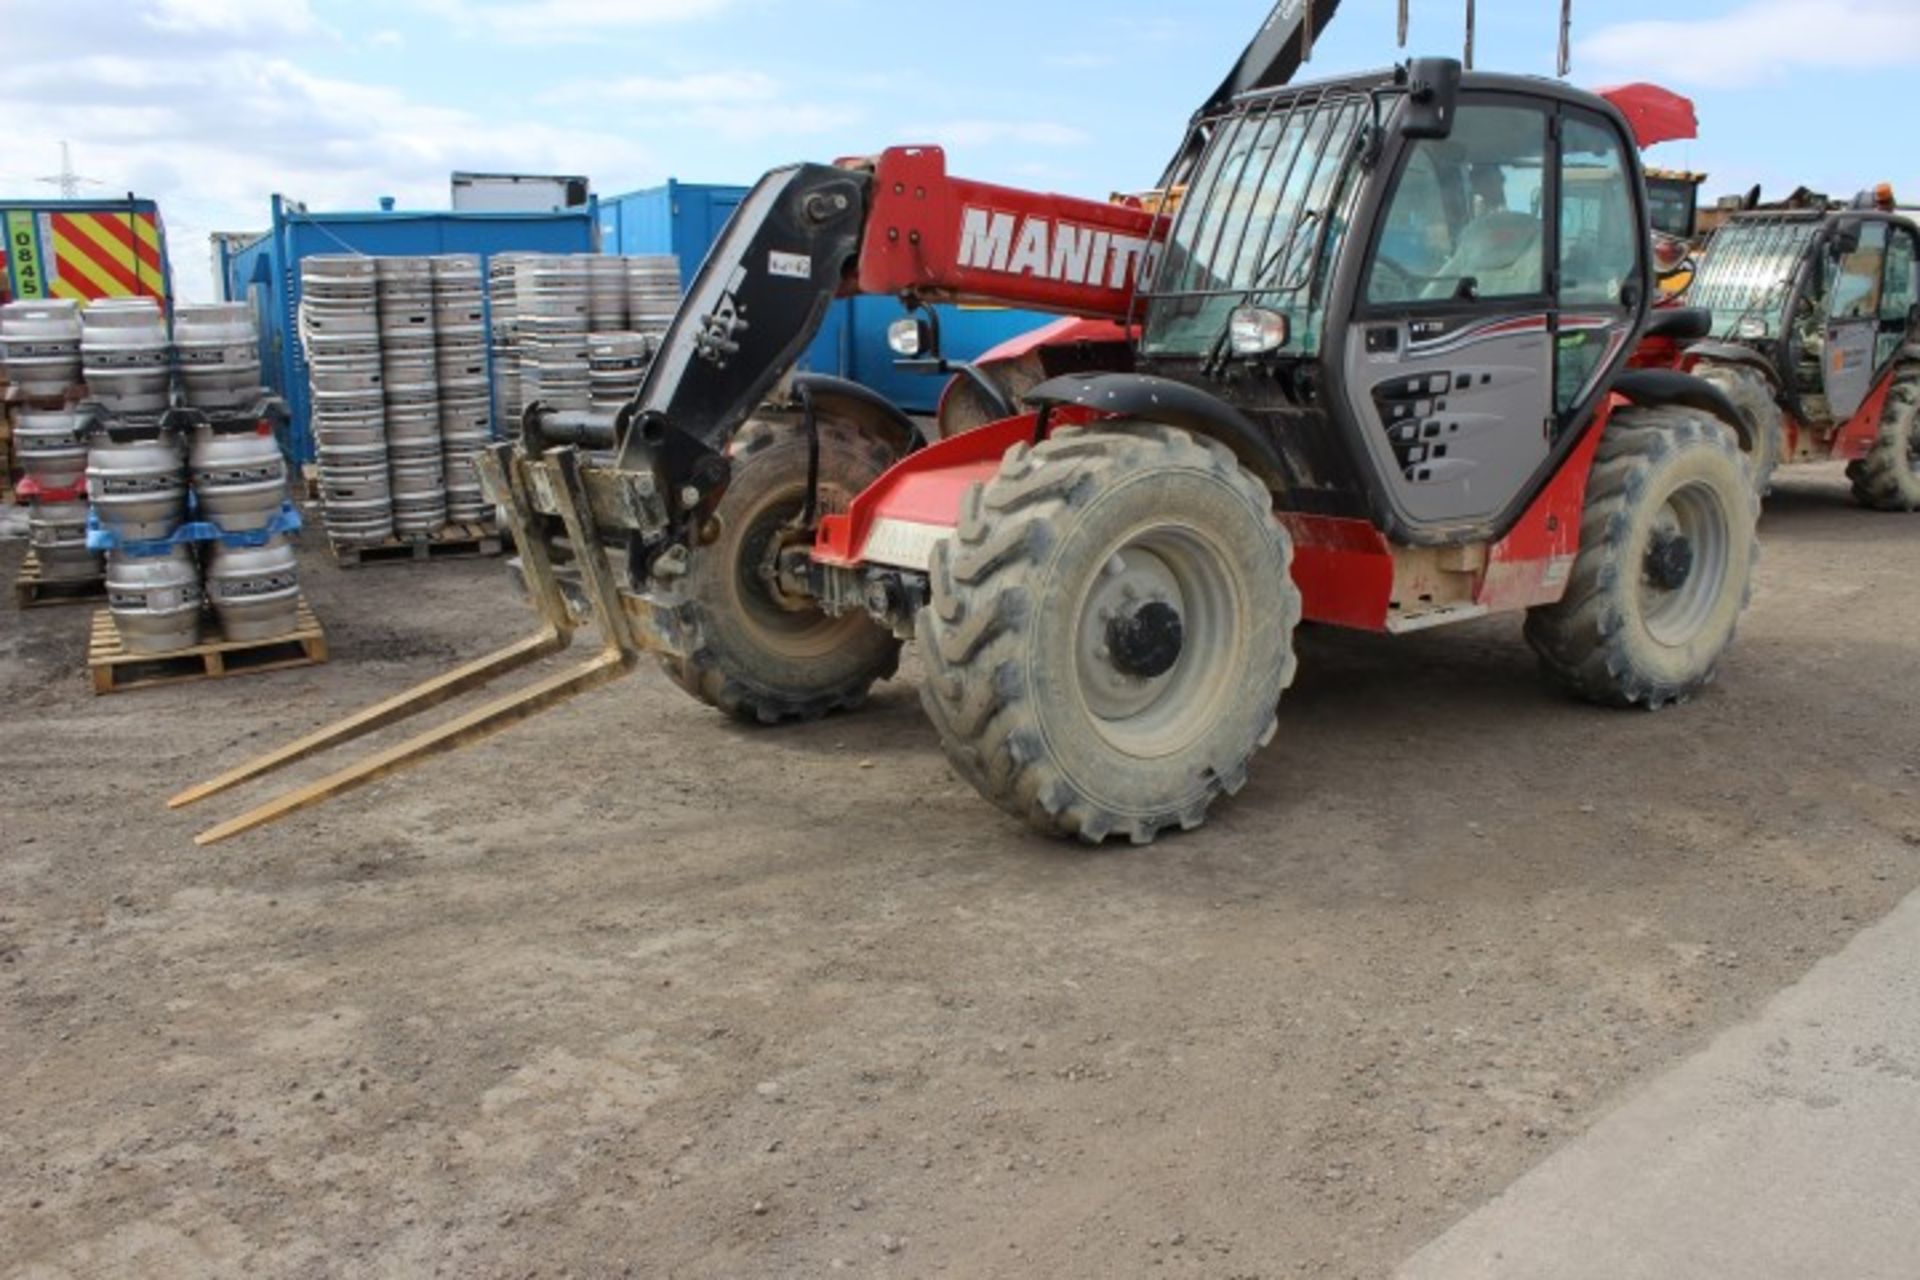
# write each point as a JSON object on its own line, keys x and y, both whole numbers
{"x": 1749, "y": 270}
{"x": 1256, "y": 215}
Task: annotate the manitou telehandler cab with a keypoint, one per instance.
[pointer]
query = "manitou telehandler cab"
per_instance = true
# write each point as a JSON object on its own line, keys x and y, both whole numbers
{"x": 1370, "y": 370}
{"x": 1815, "y": 317}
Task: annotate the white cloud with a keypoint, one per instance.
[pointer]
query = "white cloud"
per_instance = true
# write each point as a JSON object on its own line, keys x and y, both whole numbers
{"x": 557, "y": 20}
{"x": 246, "y": 19}
{"x": 1762, "y": 41}
{"x": 213, "y": 136}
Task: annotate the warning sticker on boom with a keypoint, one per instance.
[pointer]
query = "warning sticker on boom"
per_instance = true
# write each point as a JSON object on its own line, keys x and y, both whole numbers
{"x": 795, "y": 266}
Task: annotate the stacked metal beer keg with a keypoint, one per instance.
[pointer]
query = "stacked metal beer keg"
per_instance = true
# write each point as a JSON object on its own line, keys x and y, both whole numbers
{"x": 239, "y": 479}
{"x": 579, "y": 331}
{"x": 466, "y": 416}
{"x": 137, "y": 475}
{"x": 504, "y": 330}
{"x": 409, "y": 356}
{"x": 340, "y": 331}
{"x": 653, "y": 292}
{"x": 616, "y": 364}
{"x": 40, "y": 343}
{"x": 552, "y": 300}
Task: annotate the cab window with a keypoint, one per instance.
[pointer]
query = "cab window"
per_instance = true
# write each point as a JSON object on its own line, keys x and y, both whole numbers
{"x": 1858, "y": 273}
{"x": 1599, "y": 240}
{"x": 1466, "y": 220}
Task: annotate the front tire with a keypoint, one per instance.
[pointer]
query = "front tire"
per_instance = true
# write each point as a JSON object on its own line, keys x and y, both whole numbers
{"x": 1667, "y": 550}
{"x": 1888, "y": 478}
{"x": 754, "y": 654}
{"x": 1752, "y": 395}
{"x": 1110, "y": 631}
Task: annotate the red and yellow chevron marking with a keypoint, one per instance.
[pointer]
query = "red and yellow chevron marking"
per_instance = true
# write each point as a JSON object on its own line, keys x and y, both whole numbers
{"x": 104, "y": 254}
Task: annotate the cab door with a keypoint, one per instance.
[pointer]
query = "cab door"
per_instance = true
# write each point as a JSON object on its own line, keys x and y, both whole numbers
{"x": 1857, "y": 264}
{"x": 1449, "y": 364}
{"x": 1506, "y": 276}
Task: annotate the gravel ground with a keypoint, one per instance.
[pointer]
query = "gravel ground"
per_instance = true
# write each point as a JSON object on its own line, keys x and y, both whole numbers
{"x": 631, "y": 990}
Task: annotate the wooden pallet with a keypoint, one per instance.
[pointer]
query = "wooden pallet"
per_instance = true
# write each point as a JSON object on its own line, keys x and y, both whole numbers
{"x": 31, "y": 591}
{"x": 449, "y": 542}
{"x": 115, "y": 670}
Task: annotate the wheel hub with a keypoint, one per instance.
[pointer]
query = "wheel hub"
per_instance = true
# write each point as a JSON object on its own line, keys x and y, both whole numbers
{"x": 1144, "y": 641}
{"x": 1669, "y": 560}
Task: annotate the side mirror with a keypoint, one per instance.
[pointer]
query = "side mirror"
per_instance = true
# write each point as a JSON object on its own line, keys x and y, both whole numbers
{"x": 1433, "y": 94}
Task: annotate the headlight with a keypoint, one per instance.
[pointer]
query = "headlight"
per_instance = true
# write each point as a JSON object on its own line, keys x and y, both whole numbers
{"x": 907, "y": 337}
{"x": 1255, "y": 331}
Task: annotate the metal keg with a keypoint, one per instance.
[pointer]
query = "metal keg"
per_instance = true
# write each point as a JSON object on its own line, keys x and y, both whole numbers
{"x": 57, "y": 532}
{"x": 466, "y": 503}
{"x": 155, "y": 600}
{"x": 461, "y": 362}
{"x": 653, "y": 292}
{"x": 52, "y": 447}
{"x": 616, "y": 365}
{"x": 239, "y": 477}
{"x": 553, "y": 287}
{"x": 356, "y": 501}
{"x": 406, "y": 298}
{"x": 606, "y": 293}
{"x": 138, "y": 487}
{"x": 344, "y": 277}
{"x": 419, "y": 494}
{"x": 41, "y": 345}
{"x": 218, "y": 351}
{"x": 124, "y": 354}
{"x": 254, "y": 591}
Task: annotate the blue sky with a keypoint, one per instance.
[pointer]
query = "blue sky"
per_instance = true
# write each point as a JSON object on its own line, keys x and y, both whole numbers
{"x": 211, "y": 105}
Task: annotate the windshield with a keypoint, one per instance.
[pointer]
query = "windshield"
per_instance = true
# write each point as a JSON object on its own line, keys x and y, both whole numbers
{"x": 1671, "y": 202}
{"x": 1258, "y": 222}
{"x": 1748, "y": 271}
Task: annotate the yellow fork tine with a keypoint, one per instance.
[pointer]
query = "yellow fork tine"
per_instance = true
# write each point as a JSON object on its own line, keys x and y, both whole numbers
{"x": 399, "y": 707}
{"x": 610, "y": 664}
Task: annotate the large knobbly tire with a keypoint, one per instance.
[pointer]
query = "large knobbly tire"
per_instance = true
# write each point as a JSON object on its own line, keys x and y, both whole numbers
{"x": 752, "y": 654}
{"x": 1665, "y": 568}
{"x": 1888, "y": 479}
{"x": 1110, "y": 631}
{"x": 1752, "y": 395}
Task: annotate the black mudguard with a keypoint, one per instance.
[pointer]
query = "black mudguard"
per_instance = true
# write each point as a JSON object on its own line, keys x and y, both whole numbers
{"x": 1140, "y": 395}
{"x": 1656, "y": 387}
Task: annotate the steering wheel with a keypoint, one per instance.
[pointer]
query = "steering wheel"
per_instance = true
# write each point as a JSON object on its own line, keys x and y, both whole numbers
{"x": 1408, "y": 280}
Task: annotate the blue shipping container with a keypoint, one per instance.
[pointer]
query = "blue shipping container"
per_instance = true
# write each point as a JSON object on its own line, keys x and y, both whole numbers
{"x": 266, "y": 273}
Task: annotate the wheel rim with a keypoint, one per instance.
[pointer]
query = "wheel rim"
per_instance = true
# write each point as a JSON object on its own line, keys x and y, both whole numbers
{"x": 1158, "y": 636}
{"x": 774, "y": 622}
{"x": 1685, "y": 564}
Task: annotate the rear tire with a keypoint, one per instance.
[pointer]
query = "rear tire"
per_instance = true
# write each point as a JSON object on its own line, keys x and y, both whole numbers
{"x": 752, "y": 654}
{"x": 1665, "y": 567}
{"x": 1888, "y": 479}
{"x": 1752, "y": 395}
{"x": 1110, "y": 631}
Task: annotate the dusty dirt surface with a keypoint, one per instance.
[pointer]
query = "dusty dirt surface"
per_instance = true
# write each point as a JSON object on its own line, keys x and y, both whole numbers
{"x": 630, "y": 990}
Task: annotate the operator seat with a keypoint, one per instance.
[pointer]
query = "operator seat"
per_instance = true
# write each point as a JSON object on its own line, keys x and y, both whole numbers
{"x": 1501, "y": 251}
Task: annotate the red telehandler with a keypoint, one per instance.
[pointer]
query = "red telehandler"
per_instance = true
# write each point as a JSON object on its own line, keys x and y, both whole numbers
{"x": 1371, "y": 370}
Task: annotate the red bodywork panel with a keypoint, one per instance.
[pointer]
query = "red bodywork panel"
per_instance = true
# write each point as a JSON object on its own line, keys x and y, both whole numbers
{"x": 1862, "y": 431}
{"x": 1530, "y": 565}
{"x": 950, "y": 239}
{"x": 1851, "y": 440}
{"x": 1344, "y": 568}
{"x": 1066, "y": 332}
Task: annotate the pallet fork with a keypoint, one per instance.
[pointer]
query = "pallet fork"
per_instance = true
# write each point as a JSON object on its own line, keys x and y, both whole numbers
{"x": 508, "y": 479}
